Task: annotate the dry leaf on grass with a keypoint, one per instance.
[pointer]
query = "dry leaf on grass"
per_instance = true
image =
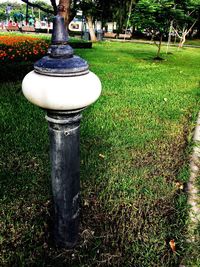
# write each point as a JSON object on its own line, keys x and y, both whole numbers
{"x": 101, "y": 156}
{"x": 172, "y": 245}
{"x": 179, "y": 185}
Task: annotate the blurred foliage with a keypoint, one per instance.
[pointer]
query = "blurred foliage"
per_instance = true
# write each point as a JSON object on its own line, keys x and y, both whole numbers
{"x": 17, "y": 11}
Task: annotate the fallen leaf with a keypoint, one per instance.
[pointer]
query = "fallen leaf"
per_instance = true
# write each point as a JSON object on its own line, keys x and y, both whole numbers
{"x": 86, "y": 203}
{"x": 172, "y": 245}
{"x": 179, "y": 185}
{"x": 101, "y": 156}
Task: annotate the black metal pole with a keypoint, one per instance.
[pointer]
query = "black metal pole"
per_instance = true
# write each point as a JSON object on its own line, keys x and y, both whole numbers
{"x": 65, "y": 175}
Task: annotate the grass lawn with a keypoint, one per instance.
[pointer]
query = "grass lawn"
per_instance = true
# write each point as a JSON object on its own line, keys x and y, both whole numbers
{"x": 135, "y": 145}
{"x": 193, "y": 42}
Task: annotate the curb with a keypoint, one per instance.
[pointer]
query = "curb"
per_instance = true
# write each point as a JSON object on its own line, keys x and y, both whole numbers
{"x": 192, "y": 189}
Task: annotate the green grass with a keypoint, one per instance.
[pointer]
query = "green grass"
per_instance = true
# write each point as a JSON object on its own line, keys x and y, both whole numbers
{"x": 193, "y": 42}
{"x": 131, "y": 205}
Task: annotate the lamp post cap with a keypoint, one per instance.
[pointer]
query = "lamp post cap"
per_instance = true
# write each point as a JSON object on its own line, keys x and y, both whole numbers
{"x": 60, "y": 60}
{"x": 59, "y": 34}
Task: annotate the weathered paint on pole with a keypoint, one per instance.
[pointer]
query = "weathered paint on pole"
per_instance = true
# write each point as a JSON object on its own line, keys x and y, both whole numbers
{"x": 65, "y": 176}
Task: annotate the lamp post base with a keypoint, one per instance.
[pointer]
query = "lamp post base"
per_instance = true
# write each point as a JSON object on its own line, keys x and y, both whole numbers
{"x": 65, "y": 175}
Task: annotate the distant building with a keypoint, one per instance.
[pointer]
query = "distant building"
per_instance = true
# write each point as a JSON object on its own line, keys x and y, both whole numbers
{"x": 111, "y": 26}
{"x": 79, "y": 23}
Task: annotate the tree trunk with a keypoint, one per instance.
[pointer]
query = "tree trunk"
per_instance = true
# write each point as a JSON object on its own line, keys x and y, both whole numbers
{"x": 129, "y": 15}
{"x": 175, "y": 39}
{"x": 91, "y": 28}
{"x": 120, "y": 27}
{"x": 198, "y": 28}
{"x": 159, "y": 47}
{"x": 169, "y": 36}
{"x": 64, "y": 10}
{"x": 182, "y": 41}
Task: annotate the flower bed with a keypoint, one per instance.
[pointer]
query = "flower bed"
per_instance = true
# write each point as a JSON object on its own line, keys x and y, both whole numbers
{"x": 21, "y": 48}
{"x": 24, "y": 50}
{"x": 17, "y": 48}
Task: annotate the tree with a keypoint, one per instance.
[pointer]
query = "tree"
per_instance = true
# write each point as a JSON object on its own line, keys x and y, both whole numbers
{"x": 105, "y": 10}
{"x": 40, "y": 5}
{"x": 42, "y": 13}
{"x": 121, "y": 12}
{"x": 67, "y": 9}
{"x": 91, "y": 10}
{"x": 186, "y": 16}
{"x": 18, "y": 16}
{"x": 129, "y": 14}
{"x": 63, "y": 9}
{"x": 153, "y": 16}
{"x": 7, "y": 9}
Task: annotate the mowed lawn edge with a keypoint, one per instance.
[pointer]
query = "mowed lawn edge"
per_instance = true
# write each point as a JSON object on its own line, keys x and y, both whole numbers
{"x": 135, "y": 147}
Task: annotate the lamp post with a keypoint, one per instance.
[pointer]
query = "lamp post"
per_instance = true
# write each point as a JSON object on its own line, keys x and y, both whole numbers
{"x": 62, "y": 84}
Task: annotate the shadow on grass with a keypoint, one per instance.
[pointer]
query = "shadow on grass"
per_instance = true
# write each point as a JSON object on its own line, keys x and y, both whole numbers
{"x": 146, "y": 55}
{"x": 14, "y": 71}
{"x": 139, "y": 53}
